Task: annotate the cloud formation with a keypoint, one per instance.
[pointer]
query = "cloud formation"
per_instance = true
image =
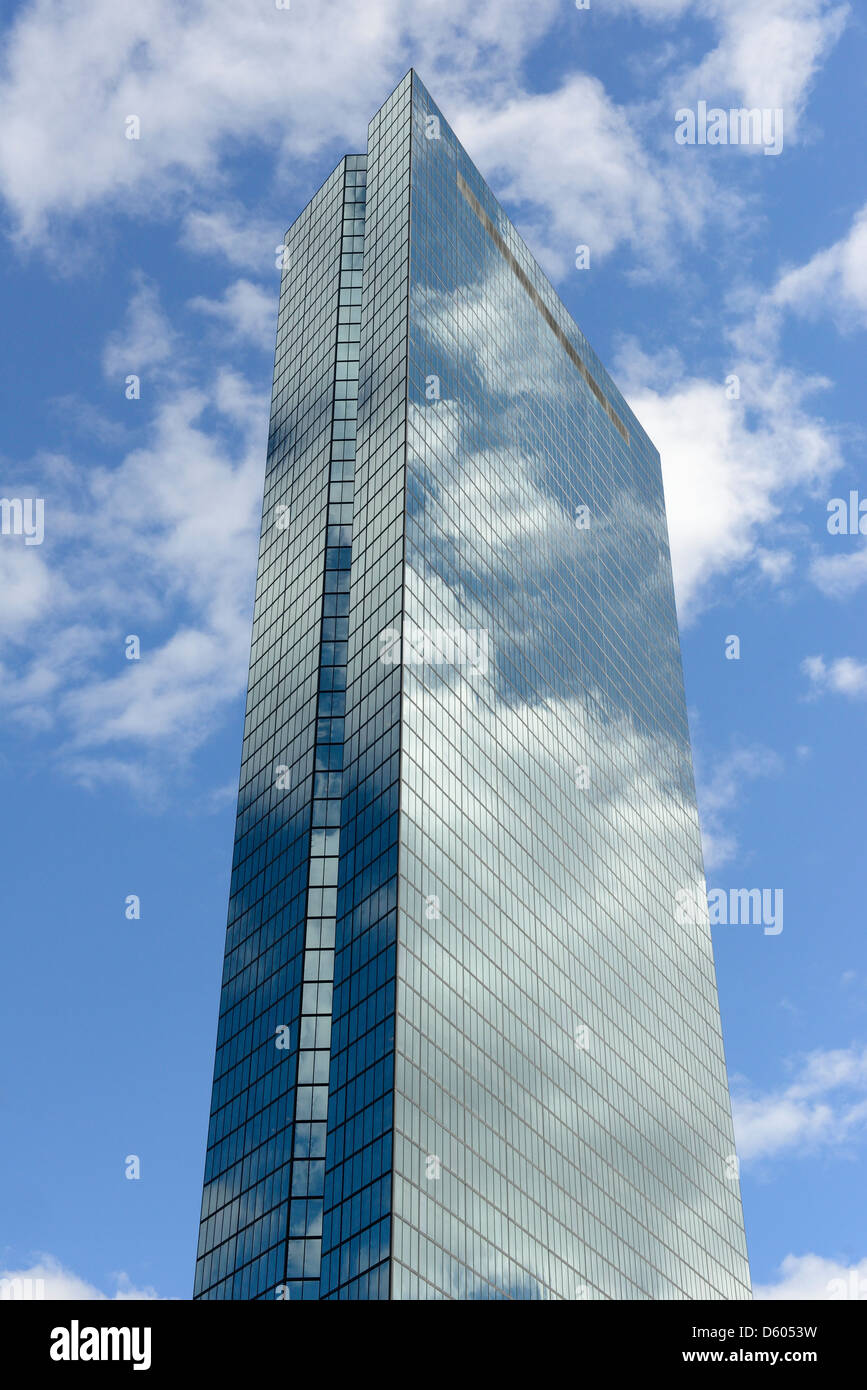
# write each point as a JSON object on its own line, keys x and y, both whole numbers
{"x": 832, "y": 283}
{"x": 824, "y": 1106}
{"x": 48, "y": 1279}
{"x": 814, "y": 1276}
{"x": 729, "y": 463}
{"x": 248, "y": 312}
{"x": 721, "y": 792}
{"x": 162, "y": 546}
{"x": 844, "y": 676}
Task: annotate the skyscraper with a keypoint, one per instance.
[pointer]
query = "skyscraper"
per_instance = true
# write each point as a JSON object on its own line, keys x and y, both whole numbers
{"x": 469, "y": 1045}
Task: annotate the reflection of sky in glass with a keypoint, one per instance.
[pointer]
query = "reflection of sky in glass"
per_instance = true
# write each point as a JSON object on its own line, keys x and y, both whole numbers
{"x": 600, "y": 1168}
{"x": 358, "y": 1178}
{"x": 262, "y": 1209}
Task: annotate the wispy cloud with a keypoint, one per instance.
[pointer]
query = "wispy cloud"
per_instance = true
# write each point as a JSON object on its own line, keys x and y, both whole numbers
{"x": 823, "y": 1107}
{"x": 584, "y": 167}
{"x": 204, "y": 82}
{"x": 721, "y": 791}
{"x": 48, "y": 1279}
{"x": 161, "y": 546}
{"x": 838, "y": 576}
{"x": 228, "y": 232}
{"x": 729, "y": 463}
{"x": 582, "y": 170}
{"x": 246, "y": 310}
{"x": 843, "y": 676}
{"x": 763, "y": 55}
{"x": 815, "y": 1277}
{"x": 146, "y": 339}
{"x": 833, "y": 283}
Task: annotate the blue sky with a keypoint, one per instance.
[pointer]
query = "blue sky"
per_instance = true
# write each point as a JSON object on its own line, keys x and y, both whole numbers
{"x": 155, "y": 257}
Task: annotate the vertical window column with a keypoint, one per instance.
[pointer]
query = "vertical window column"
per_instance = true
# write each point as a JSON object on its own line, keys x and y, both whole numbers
{"x": 311, "y": 1106}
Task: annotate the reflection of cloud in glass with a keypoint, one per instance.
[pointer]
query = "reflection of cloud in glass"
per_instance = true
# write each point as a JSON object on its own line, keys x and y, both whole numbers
{"x": 619, "y": 953}
{"x": 549, "y": 808}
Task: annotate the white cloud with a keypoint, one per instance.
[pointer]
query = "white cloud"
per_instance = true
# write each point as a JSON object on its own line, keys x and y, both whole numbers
{"x": 825, "y": 1106}
{"x": 814, "y": 1277}
{"x": 722, "y": 791}
{"x": 766, "y": 55}
{"x": 239, "y": 401}
{"x": 146, "y": 339}
{"x": 49, "y": 1279}
{"x": 845, "y": 676}
{"x": 158, "y": 527}
{"x": 577, "y": 161}
{"x": 840, "y": 575}
{"x": 164, "y": 696}
{"x": 304, "y": 81}
{"x": 204, "y": 80}
{"x": 767, "y": 1126}
{"x": 25, "y": 586}
{"x": 775, "y": 565}
{"x": 651, "y": 10}
{"x": 248, "y": 311}
{"x": 832, "y": 283}
{"x": 162, "y": 546}
{"x": 230, "y": 233}
{"x": 729, "y": 466}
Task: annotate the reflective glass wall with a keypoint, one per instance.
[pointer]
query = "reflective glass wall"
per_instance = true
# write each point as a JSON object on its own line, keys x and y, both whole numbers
{"x": 562, "y": 1120}
{"x": 358, "y": 1179}
{"x": 262, "y": 1205}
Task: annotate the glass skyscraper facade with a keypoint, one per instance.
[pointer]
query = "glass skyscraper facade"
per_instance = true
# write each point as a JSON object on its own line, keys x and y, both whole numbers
{"x": 467, "y": 1046}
